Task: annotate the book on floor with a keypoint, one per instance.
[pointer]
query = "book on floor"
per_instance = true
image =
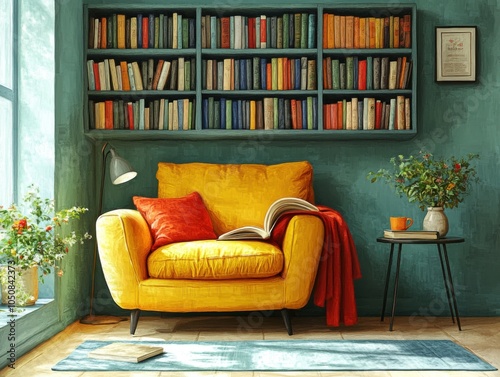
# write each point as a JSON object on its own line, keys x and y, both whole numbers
{"x": 278, "y": 208}
{"x": 130, "y": 352}
{"x": 412, "y": 234}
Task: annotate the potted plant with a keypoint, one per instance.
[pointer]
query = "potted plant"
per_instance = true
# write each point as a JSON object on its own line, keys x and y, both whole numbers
{"x": 433, "y": 183}
{"x": 32, "y": 242}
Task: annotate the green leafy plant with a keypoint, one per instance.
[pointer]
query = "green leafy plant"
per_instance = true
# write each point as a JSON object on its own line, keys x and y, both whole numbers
{"x": 37, "y": 237}
{"x": 428, "y": 181}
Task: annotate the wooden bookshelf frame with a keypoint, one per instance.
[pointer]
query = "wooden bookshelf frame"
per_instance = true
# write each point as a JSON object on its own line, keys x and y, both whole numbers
{"x": 199, "y": 54}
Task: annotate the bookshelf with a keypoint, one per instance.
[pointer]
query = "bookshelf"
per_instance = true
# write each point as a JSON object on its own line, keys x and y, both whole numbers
{"x": 232, "y": 88}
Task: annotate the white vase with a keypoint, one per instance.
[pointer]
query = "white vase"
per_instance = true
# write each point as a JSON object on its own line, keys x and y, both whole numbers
{"x": 25, "y": 286}
{"x": 436, "y": 220}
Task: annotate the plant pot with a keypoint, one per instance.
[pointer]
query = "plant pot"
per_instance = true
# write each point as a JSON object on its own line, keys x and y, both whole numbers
{"x": 19, "y": 287}
{"x": 436, "y": 220}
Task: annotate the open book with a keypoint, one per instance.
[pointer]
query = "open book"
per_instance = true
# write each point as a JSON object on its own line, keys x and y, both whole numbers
{"x": 278, "y": 208}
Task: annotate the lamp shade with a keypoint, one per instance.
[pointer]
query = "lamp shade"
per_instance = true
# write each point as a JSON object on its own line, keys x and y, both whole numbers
{"x": 120, "y": 170}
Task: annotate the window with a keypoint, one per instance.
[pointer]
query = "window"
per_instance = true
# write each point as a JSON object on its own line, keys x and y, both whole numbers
{"x": 8, "y": 99}
{"x": 36, "y": 122}
{"x": 26, "y": 98}
{"x": 27, "y": 122}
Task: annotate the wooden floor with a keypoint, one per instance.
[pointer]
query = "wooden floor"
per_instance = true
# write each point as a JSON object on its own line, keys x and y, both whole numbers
{"x": 480, "y": 335}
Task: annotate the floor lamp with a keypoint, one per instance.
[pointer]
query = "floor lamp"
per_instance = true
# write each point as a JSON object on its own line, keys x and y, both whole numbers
{"x": 120, "y": 172}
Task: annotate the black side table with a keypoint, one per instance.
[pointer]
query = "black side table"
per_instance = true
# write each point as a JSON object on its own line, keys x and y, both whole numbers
{"x": 445, "y": 267}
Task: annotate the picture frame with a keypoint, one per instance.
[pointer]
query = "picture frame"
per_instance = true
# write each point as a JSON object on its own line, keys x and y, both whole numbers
{"x": 456, "y": 53}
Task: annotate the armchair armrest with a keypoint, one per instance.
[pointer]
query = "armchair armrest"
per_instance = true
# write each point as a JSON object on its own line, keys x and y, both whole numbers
{"x": 302, "y": 247}
{"x": 124, "y": 242}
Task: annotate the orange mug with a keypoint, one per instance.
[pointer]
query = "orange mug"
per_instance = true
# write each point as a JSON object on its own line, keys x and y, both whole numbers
{"x": 401, "y": 223}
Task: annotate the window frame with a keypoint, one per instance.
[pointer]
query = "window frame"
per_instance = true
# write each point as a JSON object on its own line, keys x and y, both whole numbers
{"x": 12, "y": 95}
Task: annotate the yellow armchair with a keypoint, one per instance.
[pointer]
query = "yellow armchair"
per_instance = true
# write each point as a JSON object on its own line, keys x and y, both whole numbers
{"x": 211, "y": 275}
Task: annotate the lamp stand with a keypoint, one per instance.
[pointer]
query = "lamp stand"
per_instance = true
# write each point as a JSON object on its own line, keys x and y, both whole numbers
{"x": 91, "y": 318}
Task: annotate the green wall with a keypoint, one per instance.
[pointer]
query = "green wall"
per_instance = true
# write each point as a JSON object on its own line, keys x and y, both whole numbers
{"x": 453, "y": 119}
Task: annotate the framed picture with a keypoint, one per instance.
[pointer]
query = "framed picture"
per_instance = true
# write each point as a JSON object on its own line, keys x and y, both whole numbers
{"x": 455, "y": 53}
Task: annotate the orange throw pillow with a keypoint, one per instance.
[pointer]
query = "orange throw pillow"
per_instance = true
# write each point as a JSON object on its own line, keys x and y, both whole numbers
{"x": 176, "y": 219}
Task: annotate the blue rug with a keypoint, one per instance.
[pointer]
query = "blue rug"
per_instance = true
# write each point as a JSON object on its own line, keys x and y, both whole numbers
{"x": 291, "y": 355}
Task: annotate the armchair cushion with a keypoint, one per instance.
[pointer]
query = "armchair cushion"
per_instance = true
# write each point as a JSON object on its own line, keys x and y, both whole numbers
{"x": 236, "y": 195}
{"x": 176, "y": 219}
{"x": 215, "y": 260}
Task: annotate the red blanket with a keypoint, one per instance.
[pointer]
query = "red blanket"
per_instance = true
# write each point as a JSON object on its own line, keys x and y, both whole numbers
{"x": 338, "y": 266}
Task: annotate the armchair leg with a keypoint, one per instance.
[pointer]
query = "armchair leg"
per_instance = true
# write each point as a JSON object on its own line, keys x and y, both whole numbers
{"x": 286, "y": 318}
{"x": 134, "y": 319}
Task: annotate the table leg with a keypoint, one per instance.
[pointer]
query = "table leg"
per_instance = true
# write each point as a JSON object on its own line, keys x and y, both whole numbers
{"x": 445, "y": 282}
{"x": 452, "y": 287}
{"x": 396, "y": 283}
{"x": 387, "y": 276}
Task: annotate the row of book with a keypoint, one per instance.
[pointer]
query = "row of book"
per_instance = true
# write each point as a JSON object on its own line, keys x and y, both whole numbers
{"x": 368, "y": 114}
{"x": 262, "y": 114}
{"x": 177, "y": 74}
{"x": 368, "y": 73}
{"x": 290, "y": 30}
{"x": 267, "y": 113}
{"x": 158, "y": 114}
{"x": 349, "y": 31}
{"x": 259, "y": 74}
{"x": 142, "y": 31}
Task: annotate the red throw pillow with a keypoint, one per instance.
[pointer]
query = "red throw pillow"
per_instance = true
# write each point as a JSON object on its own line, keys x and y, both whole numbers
{"x": 176, "y": 219}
